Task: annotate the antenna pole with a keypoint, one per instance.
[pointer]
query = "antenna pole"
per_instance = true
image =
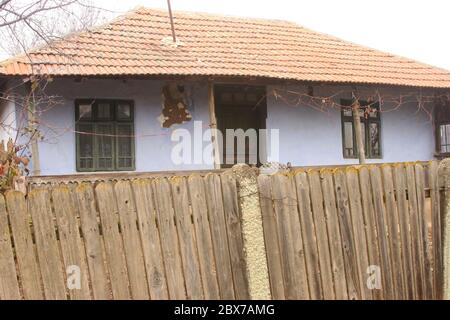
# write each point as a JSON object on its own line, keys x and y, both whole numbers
{"x": 171, "y": 22}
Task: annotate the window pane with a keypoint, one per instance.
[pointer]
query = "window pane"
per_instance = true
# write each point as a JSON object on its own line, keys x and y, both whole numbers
{"x": 445, "y": 137}
{"x": 105, "y": 145}
{"x": 86, "y": 146}
{"x": 373, "y": 112}
{"x": 104, "y": 111}
{"x": 125, "y": 146}
{"x": 347, "y": 112}
{"x": 84, "y": 111}
{"x": 374, "y": 143}
{"x": 348, "y": 140}
{"x": 123, "y": 111}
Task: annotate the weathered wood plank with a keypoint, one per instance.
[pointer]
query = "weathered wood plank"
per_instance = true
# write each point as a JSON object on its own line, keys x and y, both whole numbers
{"x": 69, "y": 237}
{"x": 345, "y": 225}
{"x": 321, "y": 231}
{"x": 383, "y": 242}
{"x": 424, "y": 232}
{"x": 436, "y": 228}
{"x": 186, "y": 235}
{"x": 309, "y": 236}
{"x": 393, "y": 232}
{"x": 131, "y": 240}
{"x": 107, "y": 206}
{"x": 203, "y": 235}
{"x": 29, "y": 274}
{"x": 334, "y": 235}
{"x": 415, "y": 230}
{"x": 47, "y": 249}
{"x": 169, "y": 239}
{"x": 405, "y": 235}
{"x": 151, "y": 245}
{"x": 371, "y": 226}
{"x": 359, "y": 232}
{"x": 92, "y": 241}
{"x": 219, "y": 237}
{"x": 290, "y": 237}
{"x": 235, "y": 241}
{"x": 9, "y": 287}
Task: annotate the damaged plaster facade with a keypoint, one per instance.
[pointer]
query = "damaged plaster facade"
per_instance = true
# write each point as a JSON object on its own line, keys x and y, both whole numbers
{"x": 307, "y": 136}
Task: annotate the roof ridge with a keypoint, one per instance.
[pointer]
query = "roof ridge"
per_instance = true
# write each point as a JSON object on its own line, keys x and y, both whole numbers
{"x": 216, "y": 15}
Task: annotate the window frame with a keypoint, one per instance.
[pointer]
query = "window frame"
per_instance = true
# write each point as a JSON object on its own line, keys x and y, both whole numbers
{"x": 114, "y": 121}
{"x": 441, "y": 117}
{"x": 347, "y": 103}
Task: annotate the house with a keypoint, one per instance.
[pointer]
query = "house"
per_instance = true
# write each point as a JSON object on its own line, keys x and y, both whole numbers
{"x": 114, "y": 97}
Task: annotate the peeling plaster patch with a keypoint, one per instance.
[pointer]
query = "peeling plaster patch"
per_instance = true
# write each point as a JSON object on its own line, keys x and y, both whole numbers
{"x": 174, "y": 105}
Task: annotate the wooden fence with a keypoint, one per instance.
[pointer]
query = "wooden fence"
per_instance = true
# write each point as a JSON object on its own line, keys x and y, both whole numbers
{"x": 180, "y": 237}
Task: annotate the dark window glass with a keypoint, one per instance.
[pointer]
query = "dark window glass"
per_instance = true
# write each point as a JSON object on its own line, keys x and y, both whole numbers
{"x": 105, "y": 141}
{"x": 442, "y": 123}
{"x": 85, "y": 111}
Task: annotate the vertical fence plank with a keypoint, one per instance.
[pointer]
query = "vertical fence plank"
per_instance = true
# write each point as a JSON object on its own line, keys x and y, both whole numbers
{"x": 345, "y": 224}
{"x": 436, "y": 228}
{"x": 9, "y": 287}
{"x": 169, "y": 239}
{"x": 69, "y": 237}
{"x": 214, "y": 203}
{"x": 405, "y": 235}
{"x": 92, "y": 241}
{"x": 270, "y": 236}
{"x": 46, "y": 244}
{"x": 393, "y": 231}
{"x": 359, "y": 232}
{"x": 320, "y": 224}
{"x": 415, "y": 231}
{"x": 186, "y": 235}
{"x": 234, "y": 230}
{"x": 291, "y": 242}
{"x": 424, "y": 232}
{"x": 106, "y": 201}
{"x": 29, "y": 273}
{"x": 151, "y": 245}
{"x": 334, "y": 234}
{"x": 371, "y": 229}
{"x": 383, "y": 244}
{"x": 203, "y": 236}
{"x": 131, "y": 240}
{"x": 309, "y": 236}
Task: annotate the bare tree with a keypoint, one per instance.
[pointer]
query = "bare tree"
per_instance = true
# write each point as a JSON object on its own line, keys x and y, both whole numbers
{"x": 27, "y": 24}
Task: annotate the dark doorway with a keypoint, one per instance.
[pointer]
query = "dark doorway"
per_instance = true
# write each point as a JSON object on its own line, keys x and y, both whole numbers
{"x": 240, "y": 107}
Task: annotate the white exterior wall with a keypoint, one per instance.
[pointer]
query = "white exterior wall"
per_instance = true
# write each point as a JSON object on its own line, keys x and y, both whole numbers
{"x": 152, "y": 144}
{"x": 307, "y": 136}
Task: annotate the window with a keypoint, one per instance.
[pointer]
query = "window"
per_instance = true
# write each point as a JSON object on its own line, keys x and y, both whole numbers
{"x": 442, "y": 122}
{"x": 104, "y": 137}
{"x": 370, "y": 127}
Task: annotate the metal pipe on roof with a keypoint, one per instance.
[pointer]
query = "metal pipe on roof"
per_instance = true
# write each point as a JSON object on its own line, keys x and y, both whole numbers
{"x": 171, "y": 22}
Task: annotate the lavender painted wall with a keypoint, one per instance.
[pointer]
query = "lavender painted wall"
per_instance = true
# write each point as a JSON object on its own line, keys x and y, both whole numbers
{"x": 307, "y": 136}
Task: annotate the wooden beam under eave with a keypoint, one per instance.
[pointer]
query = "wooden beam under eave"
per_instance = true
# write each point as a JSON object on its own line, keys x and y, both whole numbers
{"x": 213, "y": 125}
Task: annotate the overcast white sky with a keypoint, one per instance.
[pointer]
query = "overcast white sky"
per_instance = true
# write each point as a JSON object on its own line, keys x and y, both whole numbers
{"x": 417, "y": 29}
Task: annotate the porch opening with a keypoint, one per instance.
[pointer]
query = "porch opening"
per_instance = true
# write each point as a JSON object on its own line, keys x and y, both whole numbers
{"x": 241, "y": 107}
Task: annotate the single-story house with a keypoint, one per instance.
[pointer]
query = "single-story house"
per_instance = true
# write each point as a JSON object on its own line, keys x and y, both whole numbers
{"x": 112, "y": 98}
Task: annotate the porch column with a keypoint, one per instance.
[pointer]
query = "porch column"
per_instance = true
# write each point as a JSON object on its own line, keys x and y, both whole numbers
{"x": 213, "y": 125}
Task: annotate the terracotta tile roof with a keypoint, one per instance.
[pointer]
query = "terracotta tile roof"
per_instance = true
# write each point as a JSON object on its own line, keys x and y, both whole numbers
{"x": 139, "y": 43}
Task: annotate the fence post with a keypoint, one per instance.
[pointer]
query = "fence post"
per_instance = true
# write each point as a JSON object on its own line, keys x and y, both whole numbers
{"x": 252, "y": 231}
{"x": 444, "y": 173}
